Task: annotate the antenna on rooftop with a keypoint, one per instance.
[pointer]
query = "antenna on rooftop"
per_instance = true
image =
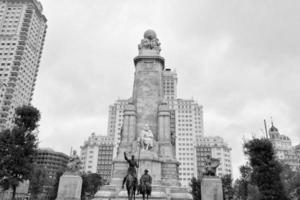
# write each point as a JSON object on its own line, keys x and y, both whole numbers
{"x": 266, "y": 128}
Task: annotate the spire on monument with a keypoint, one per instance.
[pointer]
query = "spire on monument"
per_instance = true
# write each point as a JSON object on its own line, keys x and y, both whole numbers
{"x": 150, "y": 45}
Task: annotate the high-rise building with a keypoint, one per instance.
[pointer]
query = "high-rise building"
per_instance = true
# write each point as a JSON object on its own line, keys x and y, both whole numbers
{"x": 283, "y": 148}
{"x": 115, "y": 121}
{"x": 22, "y": 33}
{"x": 216, "y": 147}
{"x": 169, "y": 78}
{"x": 189, "y": 124}
{"x": 53, "y": 162}
{"x": 97, "y": 154}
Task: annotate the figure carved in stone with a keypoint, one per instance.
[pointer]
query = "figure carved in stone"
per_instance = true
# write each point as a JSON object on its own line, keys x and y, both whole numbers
{"x": 146, "y": 138}
{"x": 211, "y": 165}
{"x": 150, "y": 41}
{"x": 74, "y": 164}
{"x": 173, "y": 138}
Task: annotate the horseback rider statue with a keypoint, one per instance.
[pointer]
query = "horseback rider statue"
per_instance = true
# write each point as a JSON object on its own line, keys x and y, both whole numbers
{"x": 145, "y": 184}
{"x": 131, "y": 169}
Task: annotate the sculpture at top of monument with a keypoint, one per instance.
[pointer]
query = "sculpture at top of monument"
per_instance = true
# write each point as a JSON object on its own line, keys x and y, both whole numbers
{"x": 211, "y": 165}
{"x": 146, "y": 138}
{"x": 74, "y": 164}
{"x": 150, "y": 42}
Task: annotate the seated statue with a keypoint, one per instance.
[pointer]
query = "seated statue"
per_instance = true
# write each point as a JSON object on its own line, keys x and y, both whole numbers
{"x": 211, "y": 165}
{"x": 146, "y": 138}
{"x": 74, "y": 164}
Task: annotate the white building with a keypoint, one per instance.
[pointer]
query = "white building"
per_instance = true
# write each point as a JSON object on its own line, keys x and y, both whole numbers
{"x": 216, "y": 147}
{"x": 284, "y": 150}
{"x": 22, "y": 34}
{"x": 97, "y": 154}
{"x": 189, "y": 124}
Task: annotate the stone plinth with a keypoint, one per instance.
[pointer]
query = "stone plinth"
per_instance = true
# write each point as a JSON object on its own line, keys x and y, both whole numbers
{"x": 211, "y": 188}
{"x": 158, "y": 193}
{"x": 69, "y": 187}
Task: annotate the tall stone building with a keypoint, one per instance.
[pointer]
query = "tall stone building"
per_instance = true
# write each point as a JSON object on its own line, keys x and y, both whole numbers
{"x": 97, "y": 154}
{"x": 216, "y": 147}
{"x": 284, "y": 150}
{"x": 22, "y": 33}
{"x": 186, "y": 123}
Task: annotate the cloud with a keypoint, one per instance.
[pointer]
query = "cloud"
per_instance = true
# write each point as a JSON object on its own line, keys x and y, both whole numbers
{"x": 239, "y": 59}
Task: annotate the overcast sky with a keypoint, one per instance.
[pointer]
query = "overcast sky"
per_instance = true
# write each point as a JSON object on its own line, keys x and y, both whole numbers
{"x": 239, "y": 59}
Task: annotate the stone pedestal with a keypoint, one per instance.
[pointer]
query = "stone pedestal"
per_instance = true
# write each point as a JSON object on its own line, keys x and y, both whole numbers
{"x": 211, "y": 188}
{"x": 69, "y": 187}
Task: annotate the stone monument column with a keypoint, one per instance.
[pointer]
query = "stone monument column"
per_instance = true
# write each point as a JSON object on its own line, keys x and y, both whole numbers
{"x": 129, "y": 123}
{"x": 164, "y": 136}
{"x": 147, "y": 88}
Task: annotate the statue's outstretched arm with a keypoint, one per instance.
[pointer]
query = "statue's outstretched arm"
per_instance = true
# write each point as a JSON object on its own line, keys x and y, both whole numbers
{"x": 125, "y": 157}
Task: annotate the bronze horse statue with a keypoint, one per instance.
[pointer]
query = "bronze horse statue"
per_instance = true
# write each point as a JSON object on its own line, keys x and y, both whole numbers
{"x": 131, "y": 186}
{"x": 145, "y": 190}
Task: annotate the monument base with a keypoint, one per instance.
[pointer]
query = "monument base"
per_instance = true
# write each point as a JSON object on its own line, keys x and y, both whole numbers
{"x": 211, "y": 188}
{"x": 69, "y": 187}
{"x": 110, "y": 192}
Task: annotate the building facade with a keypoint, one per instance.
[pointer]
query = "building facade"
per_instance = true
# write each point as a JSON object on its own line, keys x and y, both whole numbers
{"x": 22, "y": 33}
{"x": 283, "y": 148}
{"x": 53, "y": 162}
{"x": 188, "y": 125}
{"x": 97, "y": 155}
{"x": 216, "y": 147}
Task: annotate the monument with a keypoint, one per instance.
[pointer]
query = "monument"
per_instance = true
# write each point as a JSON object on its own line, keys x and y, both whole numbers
{"x": 70, "y": 182}
{"x": 211, "y": 185}
{"x": 146, "y": 131}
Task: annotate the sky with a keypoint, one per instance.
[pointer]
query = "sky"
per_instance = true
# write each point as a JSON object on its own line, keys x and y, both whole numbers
{"x": 239, "y": 59}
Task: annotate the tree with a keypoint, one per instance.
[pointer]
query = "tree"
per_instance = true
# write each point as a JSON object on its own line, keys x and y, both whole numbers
{"x": 196, "y": 188}
{"x": 291, "y": 180}
{"x": 265, "y": 169}
{"x": 17, "y": 148}
{"x": 91, "y": 184}
{"x": 245, "y": 171}
{"x": 39, "y": 179}
{"x": 243, "y": 187}
{"x": 227, "y": 187}
{"x": 54, "y": 190}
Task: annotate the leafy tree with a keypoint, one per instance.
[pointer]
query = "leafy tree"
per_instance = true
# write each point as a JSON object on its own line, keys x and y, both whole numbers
{"x": 196, "y": 188}
{"x": 265, "y": 169}
{"x": 245, "y": 171}
{"x": 291, "y": 180}
{"x": 243, "y": 187}
{"x": 54, "y": 190}
{"x": 17, "y": 148}
{"x": 38, "y": 179}
{"x": 228, "y": 191}
{"x": 91, "y": 184}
